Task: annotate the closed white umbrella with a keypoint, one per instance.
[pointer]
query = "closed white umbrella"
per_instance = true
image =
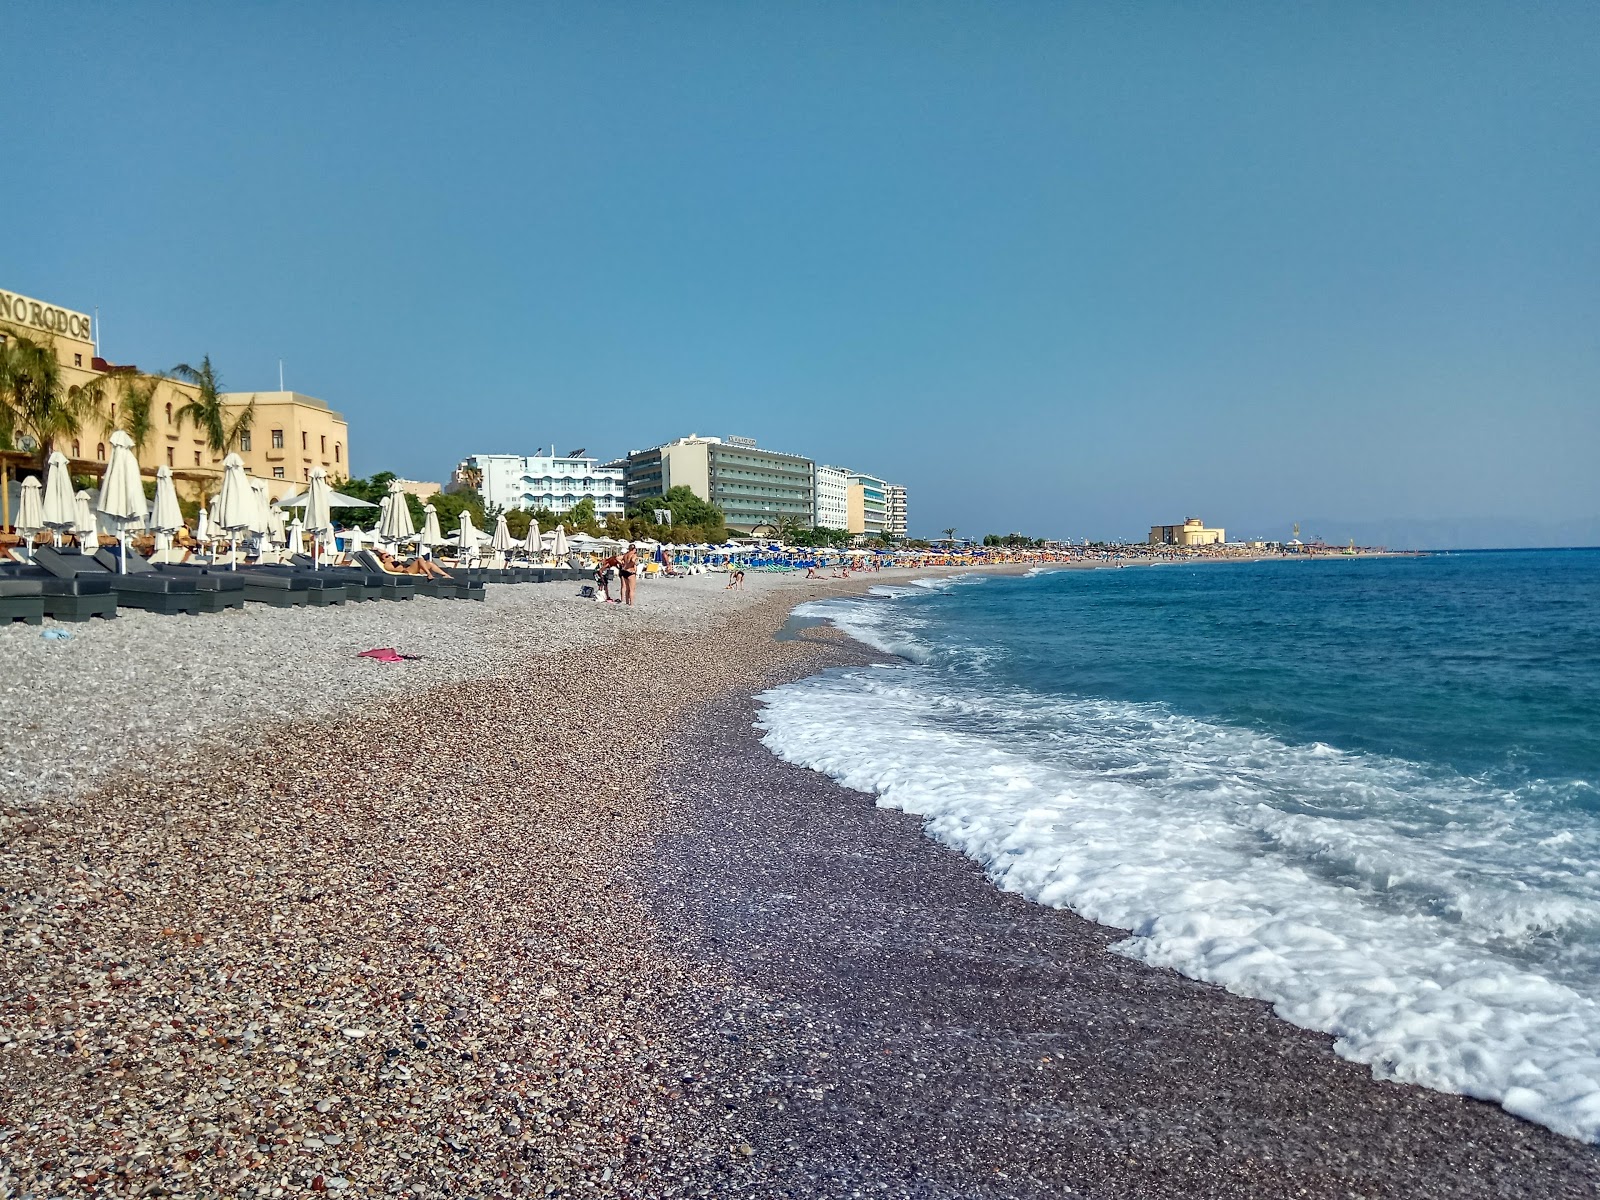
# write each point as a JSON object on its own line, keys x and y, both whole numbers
{"x": 502, "y": 539}
{"x": 396, "y": 525}
{"x": 559, "y": 546}
{"x": 319, "y": 518}
{"x": 353, "y": 536}
{"x": 166, "y": 518}
{"x": 121, "y": 492}
{"x": 293, "y": 537}
{"x": 30, "y": 509}
{"x": 532, "y": 542}
{"x": 468, "y": 537}
{"x": 235, "y": 504}
{"x": 83, "y": 525}
{"x": 431, "y": 536}
{"x": 59, "y": 512}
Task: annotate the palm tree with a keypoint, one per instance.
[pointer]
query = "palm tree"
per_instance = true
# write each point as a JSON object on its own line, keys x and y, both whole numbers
{"x": 950, "y": 535}
{"x": 136, "y": 396}
{"x": 37, "y": 409}
{"x": 207, "y": 411}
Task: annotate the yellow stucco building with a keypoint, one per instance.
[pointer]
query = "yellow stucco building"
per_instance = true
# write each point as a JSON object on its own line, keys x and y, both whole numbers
{"x": 290, "y": 433}
{"x": 1192, "y": 532}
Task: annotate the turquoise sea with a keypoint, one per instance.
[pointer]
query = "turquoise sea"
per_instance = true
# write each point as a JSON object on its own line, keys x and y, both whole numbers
{"x": 1366, "y": 790}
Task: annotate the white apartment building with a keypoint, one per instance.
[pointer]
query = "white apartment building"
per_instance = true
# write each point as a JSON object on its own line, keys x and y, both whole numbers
{"x": 529, "y": 482}
{"x": 831, "y": 487}
{"x": 894, "y": 521}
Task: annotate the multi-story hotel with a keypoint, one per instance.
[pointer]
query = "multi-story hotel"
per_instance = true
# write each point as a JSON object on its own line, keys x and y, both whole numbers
{"x": 832, "y": 489}
{"x": 866, "y": 504}
{"x": 556, "y": 483}
{"x": 289, "y": 433}
{"x": 754, "y": 488}
{"x": 894, "y": 521}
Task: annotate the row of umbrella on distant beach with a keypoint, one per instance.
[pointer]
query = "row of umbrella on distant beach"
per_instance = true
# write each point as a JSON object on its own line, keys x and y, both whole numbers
{"x": 241, "y": 510}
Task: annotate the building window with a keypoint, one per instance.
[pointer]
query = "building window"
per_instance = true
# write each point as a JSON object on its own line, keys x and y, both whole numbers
{"x": 197, "y": 458}
{"x": 100, "y": 451}
{"x": 305, "y": 440}
{"x": 277, "y": 472}
{"x": 324, "y": 440}
{"x": 169, "y": 414}
{"x": 169, "y": 456}
{"x": 306, "y": 472}
{"x": 277, "y": 439}
{"x": 336, "y": 452}
{"x": 76, "y": 453}
{"x": 244, "y": 441}
{"x": 77, "y": 360}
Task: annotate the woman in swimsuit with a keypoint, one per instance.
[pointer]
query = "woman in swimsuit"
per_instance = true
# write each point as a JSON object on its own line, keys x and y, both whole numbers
{"x": 628, "y": 566}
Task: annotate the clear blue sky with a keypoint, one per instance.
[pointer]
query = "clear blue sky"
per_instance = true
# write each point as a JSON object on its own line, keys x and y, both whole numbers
{"x": 1069, "y": 269}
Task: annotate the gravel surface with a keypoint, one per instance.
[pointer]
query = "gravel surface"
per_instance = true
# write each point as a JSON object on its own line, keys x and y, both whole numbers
{"x": 377, "y": 949}
{"x": 892, "y": 1025}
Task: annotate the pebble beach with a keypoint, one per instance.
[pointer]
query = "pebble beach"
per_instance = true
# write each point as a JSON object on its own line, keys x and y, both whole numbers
{"x": 534, "y": 913}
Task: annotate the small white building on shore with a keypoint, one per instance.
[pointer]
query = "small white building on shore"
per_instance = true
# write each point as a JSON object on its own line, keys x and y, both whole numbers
{"x": 533, "y": 481}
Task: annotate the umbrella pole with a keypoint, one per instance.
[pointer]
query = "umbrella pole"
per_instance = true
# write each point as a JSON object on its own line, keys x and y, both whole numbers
{"x": 233, "y": 554}
{"x": 123, "y": 540}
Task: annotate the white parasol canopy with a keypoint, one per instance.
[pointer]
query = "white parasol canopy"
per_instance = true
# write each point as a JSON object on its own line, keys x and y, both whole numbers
{"x": 83, "y": 525}
{"x": 396, "y": 525}
{"x": 319, "y": 519}
{"x": 121, "y": 492}
{"x": 430, "y": 526}
{"x": 532, "y": 543}
{"x": 30, "y": 509}
{"x": 502, "y": 539}
{"x": 467, "y": 538}
{"x": 294, "y": 535}
{"x": 165, "y": 515}
{"x": 559, "y": 546}
{"x": 59, "y": 511}
{"x": 235, "y": 504}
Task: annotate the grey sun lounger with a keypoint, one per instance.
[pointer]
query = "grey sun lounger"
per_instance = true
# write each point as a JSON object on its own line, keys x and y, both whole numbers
{"x": 218, "y": 591}
{"x": 75, "y": 599}
{"x": 379, "y": 585}
{"x": 426, "y": 585}
{"x": 21, "y": 600}
{"x": 153, "y": 593}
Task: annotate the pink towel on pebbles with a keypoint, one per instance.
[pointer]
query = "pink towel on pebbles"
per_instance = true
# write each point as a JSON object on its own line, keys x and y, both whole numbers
{"x": 384, "y": 654}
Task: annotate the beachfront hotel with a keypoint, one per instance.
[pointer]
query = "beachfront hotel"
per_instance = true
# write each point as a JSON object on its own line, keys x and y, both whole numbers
{"x": 894, "y": 519}
{"x": 1192, "y": 532}
{"x": 290, "y": 433}
{"x": 867, "y": 505}
{"x": 558, "y": 483}
{"x": 754, "y": 488}
{"x": 832, "y": 489}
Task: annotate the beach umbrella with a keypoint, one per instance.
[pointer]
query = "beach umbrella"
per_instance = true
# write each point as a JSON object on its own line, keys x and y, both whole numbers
{"x": 121, "y": 492}
{"x": 166, "y": 518}
{"x": 59, "y": 511}
{"x": 396, "y": 525}
{"x": 30, "y": 509}
{"x": 502, "y": 540}
{"x": 235, "y": 505}
{"x": 559, "y": 546}
{"x": 468, "y": 536}
{"x": 532, "y": 542}
{"x": 430, "y": 527}
{"x": 83, "y": 524}
{"x": 202, "y": 523}
{"x": 292, "y": 537}
{"x": 260, "y": 510}
{"x": 319, "y": 519}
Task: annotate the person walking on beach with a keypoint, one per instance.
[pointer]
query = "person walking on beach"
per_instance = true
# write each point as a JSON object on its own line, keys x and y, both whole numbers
{"x": 628, "y": 567}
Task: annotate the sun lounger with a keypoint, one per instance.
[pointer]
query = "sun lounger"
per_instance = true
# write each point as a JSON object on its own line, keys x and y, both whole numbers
{"x": 378, "y": 585}
{"x": 21, "y": 600}
{"x": 153, "y": 593}
{"x": 426, "y": 585}
{"x": 65, "y": 599}
{"x": 218, "y": 590}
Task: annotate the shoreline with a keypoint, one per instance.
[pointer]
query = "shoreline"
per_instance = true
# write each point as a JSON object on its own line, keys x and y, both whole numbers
{"x": 559, "y": 921}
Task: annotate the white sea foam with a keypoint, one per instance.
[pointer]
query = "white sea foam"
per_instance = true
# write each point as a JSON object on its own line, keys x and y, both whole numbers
{"x": 1417, "y": 917}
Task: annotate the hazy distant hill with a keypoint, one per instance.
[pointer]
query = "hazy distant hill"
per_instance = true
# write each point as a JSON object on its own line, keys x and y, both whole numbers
{"x": 1464, "y": 533}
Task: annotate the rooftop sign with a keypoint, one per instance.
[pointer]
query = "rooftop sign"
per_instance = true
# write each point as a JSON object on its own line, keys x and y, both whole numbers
{"x": 47, "y": 317}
